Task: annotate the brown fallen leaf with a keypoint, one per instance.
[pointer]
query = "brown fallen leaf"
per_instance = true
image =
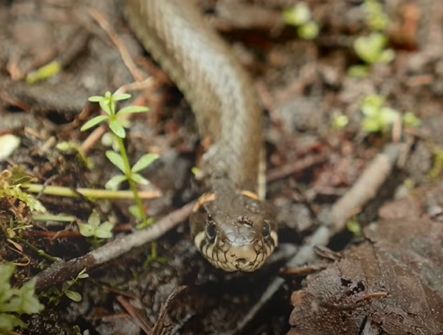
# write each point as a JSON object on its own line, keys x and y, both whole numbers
{"x": 390, "y": 284}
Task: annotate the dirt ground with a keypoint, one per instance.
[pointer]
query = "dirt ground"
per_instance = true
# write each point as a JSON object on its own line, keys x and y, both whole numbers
{"x": 361, "y": 235}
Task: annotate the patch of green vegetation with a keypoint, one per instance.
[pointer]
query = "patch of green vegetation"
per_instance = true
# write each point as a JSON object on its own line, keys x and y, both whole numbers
{"x": 117, "y": 122}
{"x": 373, "y": 48}
{"x": 10, "y": 182}
{"x": 300, "y": 17}
{"x": 20, "y": 204}
{"x": 15, "y": 301}
{"x": 339, "y": 121}
{"x": 54, "y": 295}
{"x": 45, "y": 72}
{"x": 437, "y": 166}
{"x": 377, "y": 116}
{"x": 95, "y": 228}
{"x": 376, "y": 18}
{"x": 355, "y": 227}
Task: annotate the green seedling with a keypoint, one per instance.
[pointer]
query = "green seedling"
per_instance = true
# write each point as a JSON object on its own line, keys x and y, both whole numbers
{"x": 410, "y": 120}
{"x": 377, "y": 116}
{"x": 339, "y": 121}
{"x": 54, "y": 295}
{"x": 15, "y": 301}
{"x": 300, "y": 17}
{"x": 117, "y": 122}
{"x": 95, "y": 228}
{"x": 376, "y": 18}
{"x": 372, "y": 49}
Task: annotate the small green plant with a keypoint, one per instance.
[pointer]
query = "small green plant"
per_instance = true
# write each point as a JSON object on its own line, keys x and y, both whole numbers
{"x": 54, "y": 295}
{"x": 376, "y": 18}
{"x": 437, "y": 165}
{"x": 67, "y": 287}
{"x": 410, "y": 120}
{"x": 19, "y": 204}
{"x": 116, "y": 121}
{"x": 94, "y": 228}
{"x": 300, "y": 17}
{"x": 15, "y": 301}
{"x": 339, "y": 121}
{"x": 377, "y": 116}
{"x": 372, "y": 49}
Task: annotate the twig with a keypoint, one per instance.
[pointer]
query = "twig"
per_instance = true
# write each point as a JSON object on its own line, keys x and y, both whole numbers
{"x": 64, "y": 270}
{"x": 90, "y": 193}
{"x": 360, "y": 193}
{"x": 121, "y": 47}
{"x": 93, "y": 138}
{"x": 295, "y": 167}
{"x": 135, "y": 314}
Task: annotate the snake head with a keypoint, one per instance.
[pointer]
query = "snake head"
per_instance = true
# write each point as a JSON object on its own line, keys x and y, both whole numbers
{"x": 235, "y": 232}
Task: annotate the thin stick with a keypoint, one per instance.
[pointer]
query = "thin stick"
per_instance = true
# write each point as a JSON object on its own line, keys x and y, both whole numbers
{"x": 62, "y": 271}
{"x": 90, "y": 193}
{"x": 121, "y": 47}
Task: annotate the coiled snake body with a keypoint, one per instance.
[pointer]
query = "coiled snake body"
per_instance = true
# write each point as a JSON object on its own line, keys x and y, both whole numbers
{"x": 232, "y": 228}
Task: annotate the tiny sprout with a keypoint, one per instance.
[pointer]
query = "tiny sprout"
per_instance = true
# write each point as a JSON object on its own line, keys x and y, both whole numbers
{"x": 377, "y": 117}
{"x": 94, "y": 228}
{"x": 308, "y": 31}
{"x": 115, "y": 120}
{"x": 15, "y": 301}
{"x": 339, "y": 121}
{"x": 371, "y": 49}
{"x": 410, "y": 120}
{"x": 68, "y": 292}
{"x": 376, "y": 18}
{"x": 297, "y": 15}
{"x": 300, "y": 16}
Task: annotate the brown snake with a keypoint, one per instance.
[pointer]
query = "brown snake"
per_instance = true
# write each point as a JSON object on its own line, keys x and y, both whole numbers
{"x": 232, "y": 227}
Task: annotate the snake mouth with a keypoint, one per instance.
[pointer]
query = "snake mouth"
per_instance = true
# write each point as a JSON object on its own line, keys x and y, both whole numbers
{"x": 231, "y": 258}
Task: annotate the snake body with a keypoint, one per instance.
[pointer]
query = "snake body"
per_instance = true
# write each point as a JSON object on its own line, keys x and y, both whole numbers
{"x": 232, "y": 228}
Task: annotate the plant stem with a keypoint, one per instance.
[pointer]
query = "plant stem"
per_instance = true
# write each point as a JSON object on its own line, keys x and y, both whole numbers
{"x": 132, "y": 184}
{"x": 91, "y": 193}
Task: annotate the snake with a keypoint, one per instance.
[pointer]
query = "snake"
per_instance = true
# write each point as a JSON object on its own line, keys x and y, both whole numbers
{"x": 232, "y": 226}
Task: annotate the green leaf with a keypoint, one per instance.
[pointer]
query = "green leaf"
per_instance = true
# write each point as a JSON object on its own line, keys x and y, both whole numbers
{"x": 114, "y": 182}
{"x": 120, "y": 96}
{"x": 93, "y": 122}
{"x": 8, "y": 322}
{"x": 107, "y": 106}
{"x": 133, "y": 109}
{"x": 116, "y": 159}
{"x": 29, "y": 301}
{"x": 94, "y": 219}
{"x": 117, "y": 128}
{"x": 139, "y": 179}
{"x": 86, "y": 230}
{"x": 96, "y": 98}
{"x": 144, "y": 162}
{"x": 308, "y": 31}
{"x": 82, "y": 274}
{"x": 297, "y": 15}
{"x": 73, "y": 295}
{"x": 135, "y": 211}
{"x": 104, "y": 230}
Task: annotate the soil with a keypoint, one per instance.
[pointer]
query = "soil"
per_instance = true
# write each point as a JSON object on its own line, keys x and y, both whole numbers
{"x": 392, "y": 261}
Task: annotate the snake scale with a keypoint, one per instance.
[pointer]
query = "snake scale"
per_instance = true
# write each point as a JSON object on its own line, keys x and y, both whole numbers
{"x": 232, "y": 227}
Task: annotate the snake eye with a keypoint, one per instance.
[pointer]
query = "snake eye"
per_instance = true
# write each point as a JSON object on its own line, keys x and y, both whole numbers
{"x": 266, "y": 229}
{"x": 211, "y": 231}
